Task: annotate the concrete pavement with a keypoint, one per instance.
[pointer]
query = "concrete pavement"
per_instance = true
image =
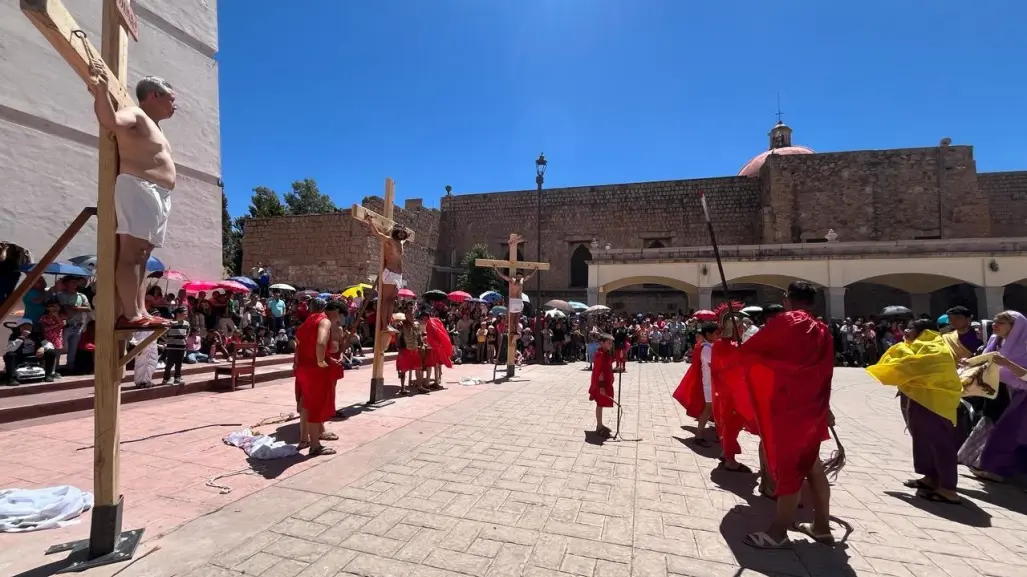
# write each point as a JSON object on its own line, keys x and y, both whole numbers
{"x": 499, "y": 480}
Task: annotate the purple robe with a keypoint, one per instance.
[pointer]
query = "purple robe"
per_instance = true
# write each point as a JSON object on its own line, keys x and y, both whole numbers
{"x": 1005, "y": 452}
{"x": 935, "y": 444}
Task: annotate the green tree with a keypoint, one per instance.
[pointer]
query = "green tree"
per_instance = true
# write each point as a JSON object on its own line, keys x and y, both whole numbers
{"x": 231, "y": 241}
{"x": 476, "y": 279}
{"x": 306, "y": 198}
{"x": 265, "y": 203}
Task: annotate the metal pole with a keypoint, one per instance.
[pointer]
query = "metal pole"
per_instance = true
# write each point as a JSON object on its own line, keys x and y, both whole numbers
{"x": 538, "y": 225}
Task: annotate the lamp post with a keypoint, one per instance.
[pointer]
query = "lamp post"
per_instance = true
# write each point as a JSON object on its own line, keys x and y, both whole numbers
{"x": 540, "y": 172}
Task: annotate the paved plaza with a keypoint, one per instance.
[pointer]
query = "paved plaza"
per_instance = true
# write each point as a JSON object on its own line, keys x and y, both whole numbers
{"x": 502, "y": 480}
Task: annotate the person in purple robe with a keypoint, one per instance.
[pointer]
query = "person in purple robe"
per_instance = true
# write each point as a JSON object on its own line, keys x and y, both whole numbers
{"x": 1005, "y": 451}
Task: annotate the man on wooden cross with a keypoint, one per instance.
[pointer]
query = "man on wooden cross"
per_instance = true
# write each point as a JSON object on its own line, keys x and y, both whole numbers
{"x": 392, "y": 274}
{"x": 142, "y": 194}
{"x": 516, "y": 304}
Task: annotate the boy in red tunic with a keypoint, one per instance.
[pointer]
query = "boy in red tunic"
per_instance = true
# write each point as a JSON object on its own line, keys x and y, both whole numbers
{"x": 695, "y": 392}
{"x": 601, "y": 388}
{"x": 787, "y": 369}
{"x": 314, "y": 377}
{"x": 726, "y": 401}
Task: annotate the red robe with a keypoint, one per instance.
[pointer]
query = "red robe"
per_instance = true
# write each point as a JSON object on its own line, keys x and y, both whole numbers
{"x": 316, "y": 385}
{"x": 602, "y": 365}
{"x": 441, "y": 347}
{"x": 786, "y": 369}
{"x": 728, "y": 405}
{"x": 689, "y": 392}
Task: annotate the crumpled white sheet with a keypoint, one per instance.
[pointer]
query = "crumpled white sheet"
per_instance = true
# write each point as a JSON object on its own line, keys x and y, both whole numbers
{"x": 263, "y": 447}
{"x": 472, "y": 381}
{"x": 145, "y": 362}
{"x": 23, "y": 510}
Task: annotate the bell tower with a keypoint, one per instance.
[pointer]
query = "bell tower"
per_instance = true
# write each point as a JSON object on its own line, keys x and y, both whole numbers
{"x": 780, "y": 135}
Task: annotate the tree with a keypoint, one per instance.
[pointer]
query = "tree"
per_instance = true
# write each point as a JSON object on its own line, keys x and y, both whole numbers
{"x": 476, "y": 279}
{"x": 265, "y": 203}
{"x": 231, "y": 241}
{"x": 305, "y": 198}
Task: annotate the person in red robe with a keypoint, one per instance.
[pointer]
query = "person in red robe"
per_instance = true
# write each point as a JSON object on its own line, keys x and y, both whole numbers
{"x": 337, "y": 344}
{"x": 440, "y": 348}
{"x": 727, "y": 402}
{"x": 695, "y": 391}
{"x": 314, "y": 377}
{"x": 600, "y": 389}
{"x": 786, "y": 369}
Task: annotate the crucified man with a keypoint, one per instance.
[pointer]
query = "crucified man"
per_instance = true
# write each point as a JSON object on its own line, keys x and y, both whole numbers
{"x": 391, "y": 279}
{"x": 516, "y": 304}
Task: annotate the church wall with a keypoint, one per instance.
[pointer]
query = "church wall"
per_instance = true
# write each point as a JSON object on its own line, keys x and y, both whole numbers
{"x": 1007, "y": 201}
{"x": 334, "y": 251}
{"x": 624, "y": 215}
{"x": 875, "y": 195}
{"x": 48, "y": 132}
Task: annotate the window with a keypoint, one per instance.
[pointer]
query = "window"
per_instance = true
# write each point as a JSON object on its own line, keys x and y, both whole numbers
{"x": 656, "y": 244}
{"x": 579, "y": 266}
{"x": 506, "y": 252}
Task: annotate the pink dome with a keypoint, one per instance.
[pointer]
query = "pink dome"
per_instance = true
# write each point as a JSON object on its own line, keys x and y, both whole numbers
{"x": 752, "y": 168}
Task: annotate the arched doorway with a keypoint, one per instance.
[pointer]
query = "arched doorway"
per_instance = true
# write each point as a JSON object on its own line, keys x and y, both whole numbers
{"x": 579, "y": 266}
{"x": 764, "y": 289}
{"x": 644, "y": 294}
{"x": 928, "y": 294}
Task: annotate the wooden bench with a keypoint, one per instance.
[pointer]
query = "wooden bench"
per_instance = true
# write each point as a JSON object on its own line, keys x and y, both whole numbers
{"x": 244, "y": 369}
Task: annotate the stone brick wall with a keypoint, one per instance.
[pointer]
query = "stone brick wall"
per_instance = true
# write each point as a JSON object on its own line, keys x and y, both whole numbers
{"x": 876, "y": 195}
{"x": 1007, "y": 200}
{"x": 624, "y": 215}
{"x": 333, "y": 251}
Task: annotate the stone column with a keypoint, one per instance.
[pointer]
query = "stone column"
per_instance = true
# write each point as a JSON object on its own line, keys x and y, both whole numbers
{"x": 921, "y": 303}
{"x": 593, "y": 296}
{"x": 835, "y": 302}
{"x": 705, "y": 298}
{"x": 989, "y": 301}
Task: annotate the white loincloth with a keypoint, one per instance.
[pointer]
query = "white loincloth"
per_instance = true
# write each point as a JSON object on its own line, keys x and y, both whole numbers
{"x": 142, "y": 208}
{"x": 516, "y": 305}
{"x": 393, "y": 278}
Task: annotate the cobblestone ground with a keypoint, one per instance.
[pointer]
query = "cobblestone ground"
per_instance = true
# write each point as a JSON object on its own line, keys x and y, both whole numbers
{"x": 508, "y": 483}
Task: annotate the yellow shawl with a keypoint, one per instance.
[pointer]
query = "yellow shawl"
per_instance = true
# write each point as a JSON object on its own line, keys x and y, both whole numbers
{"x": 958, "y": 350}
{"x": 923, "y": 370}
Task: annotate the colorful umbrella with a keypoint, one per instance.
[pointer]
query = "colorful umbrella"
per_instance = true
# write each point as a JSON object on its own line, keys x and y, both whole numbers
{"x": 704, "y": 315}
{"x": 405, "y": 293}
{"x": 308, "y": 292}
{"x": 578, "y": 307}
{"x": 169, "y": 274}
{"x": 282, "y": 287}
{"x": 490, "y": 296}
{"x": 435, "y": 295}
{"x": 153, "y": 264}
{"x": 196, "y": 286}
{"x": 245, "y": 281}
{"x": 61, "y": 269}
{"x": 498, "y": 310}
{"x": 560, "y": 305}
{"x": 458, "y": 296}
{"x": 355, "y": 290}
{"x": 233, "y": 287}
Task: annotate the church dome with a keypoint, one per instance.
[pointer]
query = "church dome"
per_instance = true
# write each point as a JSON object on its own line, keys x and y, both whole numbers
{"x": 752, "y": 168}
{"x": 780, "y": 143}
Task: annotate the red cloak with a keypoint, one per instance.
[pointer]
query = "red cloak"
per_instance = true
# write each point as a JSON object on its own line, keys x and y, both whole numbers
{"x": 787, "y": 368}
{"x": 441, "y": 346}
{"x": 315, "y": 384}
{"x": 602, "y": 365}
{"x": 728, "y": 406}
{"x": 689, "y": 392}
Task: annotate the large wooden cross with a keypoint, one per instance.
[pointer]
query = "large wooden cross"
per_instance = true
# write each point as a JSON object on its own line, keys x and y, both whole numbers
{"x": 381, "y": 341}
{"x": 106, "y": 543}
{"x": 511, "y": 265}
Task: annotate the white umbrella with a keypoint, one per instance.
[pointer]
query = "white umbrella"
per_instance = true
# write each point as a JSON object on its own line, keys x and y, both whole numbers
{"x": 556, "y": 313}
{"x": 524, "y": 297}
{"x": 597, "y": 309}
{"x": 282, "y": 287}
{"x": 752, "y": 310}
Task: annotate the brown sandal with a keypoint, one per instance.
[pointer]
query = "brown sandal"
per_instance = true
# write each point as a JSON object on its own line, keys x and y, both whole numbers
{"x": 321, "y": 450}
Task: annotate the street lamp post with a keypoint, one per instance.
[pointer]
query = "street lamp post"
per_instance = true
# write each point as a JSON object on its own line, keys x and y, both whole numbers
{"x": 540, "y": 172}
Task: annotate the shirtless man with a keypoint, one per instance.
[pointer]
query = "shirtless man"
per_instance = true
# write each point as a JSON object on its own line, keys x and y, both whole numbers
{"x": 392, "y": 276}
{"x": 516, "y": 304}
{"x": 142, "y": 193}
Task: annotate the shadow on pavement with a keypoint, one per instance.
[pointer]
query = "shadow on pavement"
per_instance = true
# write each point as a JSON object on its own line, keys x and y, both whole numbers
{"x": 712, "y": 451}
{"x": 966, "y": 513}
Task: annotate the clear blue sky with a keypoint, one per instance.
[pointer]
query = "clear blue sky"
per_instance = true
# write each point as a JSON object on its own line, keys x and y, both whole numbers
{"x": 468, "y": 92}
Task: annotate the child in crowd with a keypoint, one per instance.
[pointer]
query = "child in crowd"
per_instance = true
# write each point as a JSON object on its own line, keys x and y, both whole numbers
{"x": 601, "y": 388}
{"x": 194, "y": 347}
{"x": 52, "y": 323}
{"x": 175, "y": 346}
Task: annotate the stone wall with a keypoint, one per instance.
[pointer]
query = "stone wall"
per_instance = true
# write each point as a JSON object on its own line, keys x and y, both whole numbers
{"x": 624, "y": 215}
{"x": 48, "y": 131}
{"x": 875, "y": 195}
{"x": 1007, "y": 200}
{"x": 333, "y": 251}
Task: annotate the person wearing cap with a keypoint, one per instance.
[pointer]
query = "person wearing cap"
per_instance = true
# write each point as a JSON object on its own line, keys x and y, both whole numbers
{"x": 962, "y": 339}
{"x": 600, "y": 389}
{"x": 26, "y": 345}
{"x": 174, "y": 346}
{"x": 391, "y": 279}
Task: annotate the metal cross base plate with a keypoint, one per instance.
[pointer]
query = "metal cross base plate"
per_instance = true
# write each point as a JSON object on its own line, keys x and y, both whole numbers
{"x": 379, "y": 404}
{"x": 79, "y": 559}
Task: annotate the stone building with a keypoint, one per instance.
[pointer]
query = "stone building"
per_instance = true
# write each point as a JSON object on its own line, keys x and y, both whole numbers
{"x": 48, "y": 132}
{"x": 831, "y": 218}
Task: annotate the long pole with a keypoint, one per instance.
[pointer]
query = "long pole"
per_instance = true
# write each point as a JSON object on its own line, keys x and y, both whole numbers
{"x": 538, "y": 225}
{"x": 720, "y": 266}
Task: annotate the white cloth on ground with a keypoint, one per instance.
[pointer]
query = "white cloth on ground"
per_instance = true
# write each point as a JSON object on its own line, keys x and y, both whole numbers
{"x": 142, "y": 208}
{"x": 23, "y": 510}
{"x": 262, "y": 447}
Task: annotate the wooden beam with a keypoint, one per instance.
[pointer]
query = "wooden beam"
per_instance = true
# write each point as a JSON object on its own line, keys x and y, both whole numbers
{"x": 517, "y": 264}
{"x": 384, "y": 223}
{"x": 57, "y": 25}
{"x": 147, "y": 341}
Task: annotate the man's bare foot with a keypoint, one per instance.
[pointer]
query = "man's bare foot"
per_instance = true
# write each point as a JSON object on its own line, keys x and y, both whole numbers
{"x": 138, "y": 323}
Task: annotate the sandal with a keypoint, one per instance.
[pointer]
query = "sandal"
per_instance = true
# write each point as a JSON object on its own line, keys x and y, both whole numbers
{"x": 739, "y": 469}
{"x": 403, "y": 392}
{"x": 761, "y": 540}
{"x": 917, "y": 484}
{"x": 321, "y": 450}
{"x": 326, "y": 436}
{"x": 935, "y": 497}
{"x": 423, "y": 390}
{"x": 807, "y": 530}
{"x": 341, "y": 415}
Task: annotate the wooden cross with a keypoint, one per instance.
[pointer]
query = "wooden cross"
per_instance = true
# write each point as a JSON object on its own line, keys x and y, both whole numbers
{"x": 106, "y": 543}
{"x": 511, "y": 265}
{"x": 381, "y": 341}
